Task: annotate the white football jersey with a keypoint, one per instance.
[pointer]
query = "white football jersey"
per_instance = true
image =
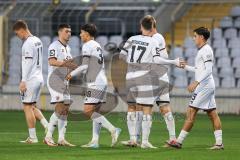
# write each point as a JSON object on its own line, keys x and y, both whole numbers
{"x": 32, "y": 49}
{"x": 205, "y": 54}
{"x": 139, "y": 51}
{"x": 162, "y": 45}
{"x": 95, "y": 73}
{"x": 60, "y": 52}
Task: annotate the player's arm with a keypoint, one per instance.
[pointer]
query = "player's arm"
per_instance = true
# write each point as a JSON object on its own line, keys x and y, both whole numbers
{"x": 86, "y": 51}
{"x": 53, "y": 61}
{"x": 208, "y": 63}
{"x": 124, "y": 50}
{"x": 158, "y": 54}
{"x": 189, "y": 68}
{"x": 27, "y": 62}
{"x": 52, "y": 57}
{"x": 82, "y": 68}
{"x": 208, "y": 71}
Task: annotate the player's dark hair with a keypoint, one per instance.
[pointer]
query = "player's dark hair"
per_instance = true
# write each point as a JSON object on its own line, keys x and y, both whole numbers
{"x": 203, "y": 31}
{"x": 61, "y": 26}
{"x": 20, "y": 24}
{"x": 148, "y": 22}
{"x": 90, "y": 28}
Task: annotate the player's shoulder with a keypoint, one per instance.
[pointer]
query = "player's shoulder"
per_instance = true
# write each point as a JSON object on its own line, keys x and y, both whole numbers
{"x": 205, "y": 49}
{"x": 91, "y": 44}
{"x": 158, "y": 36}
{"x": 29, "y": 42}
{"x": 54, "y": 44}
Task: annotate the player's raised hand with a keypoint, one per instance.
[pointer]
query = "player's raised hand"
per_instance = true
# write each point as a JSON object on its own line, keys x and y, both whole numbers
{"x": 181, "y": 63}
{"x": 68, "y": 77}
{"x": 193, "y": 86}
{"x": 22, "y": 87}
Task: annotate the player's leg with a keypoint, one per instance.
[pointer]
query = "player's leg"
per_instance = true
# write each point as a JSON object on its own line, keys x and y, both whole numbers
{"x": 89, "y": 110}
{"x": 31, "y": 121}
{"x": 96, "y": 127}
{"x": 164, "y": 106}
{"x": 29, "y": 99}
{"x": 139, "y": 118}
{"x": 146, "y": 125}
{"x": 52, "y": 124}
{"x": 62, "y": 114}
{"x": 213, "y": 115}
{"x": 131, "y": 122}
{"x": 39, "y": 116}
{"x": 188, "y": 124}
{"x": 165, "y": 110}
{"x": 131, "y": 115}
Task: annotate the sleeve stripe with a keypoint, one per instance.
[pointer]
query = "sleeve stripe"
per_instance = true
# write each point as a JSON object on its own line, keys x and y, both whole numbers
{"x": 124, "y": 50}
{"x": 162, "y": 49}
{"x": 28, "y": 57}
{"x": 208, "y": 61}
{"x": 156, "y": 55}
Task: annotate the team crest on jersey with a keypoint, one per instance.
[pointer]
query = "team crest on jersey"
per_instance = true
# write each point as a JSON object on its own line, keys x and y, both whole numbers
{"x": 209, "y": 56}
{"x": 62, "y": 50}
{"x": 57, "y": 98}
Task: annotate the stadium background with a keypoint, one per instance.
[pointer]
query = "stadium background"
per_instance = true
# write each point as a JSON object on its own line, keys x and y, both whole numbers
{"x": 116, "y": 21}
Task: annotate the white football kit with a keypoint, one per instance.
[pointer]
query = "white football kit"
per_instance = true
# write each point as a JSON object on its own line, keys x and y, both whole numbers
{"x": 93, "y": 66}
{"x": 139, "y": 52}
{"x": 164, "y": 80}
{"x": 32, "y": 69}
{"x": 204, "y": 95}
{"x": 54, "y": 82}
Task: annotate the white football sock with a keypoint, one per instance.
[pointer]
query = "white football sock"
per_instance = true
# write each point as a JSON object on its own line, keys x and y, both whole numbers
{"x": 32, "y": 133}
{"x": 96, "y": 128}
{"x": 139, "y": 117}
{"x": 44, "y": 122}
{"x": 183, "y": 134}
{"x": 218, "y": 136}
{"x": 131, "y": 123}
{"x": 52, "y": 125}
{"x": 62, "y": 125}
{"x": 146, "y": 127}
{"x": 98, "y": 118}
{"x": 169, "y": 119}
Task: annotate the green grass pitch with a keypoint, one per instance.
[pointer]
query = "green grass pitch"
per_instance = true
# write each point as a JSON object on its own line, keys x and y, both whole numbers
{"x": 13, "y": 129}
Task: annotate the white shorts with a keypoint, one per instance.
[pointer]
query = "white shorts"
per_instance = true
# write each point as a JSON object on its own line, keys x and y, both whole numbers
{"x": 32, "y": 93}
{"x": 58, "y": 95}
{"x": 95, "y": 94}
{"x": 141, "y": 91}
{"x": 164, "y": 90}
{"x": 203, "y": 99}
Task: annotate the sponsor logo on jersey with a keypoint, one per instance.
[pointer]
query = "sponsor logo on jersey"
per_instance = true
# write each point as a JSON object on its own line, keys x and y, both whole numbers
{"x": 52, "y": 52}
